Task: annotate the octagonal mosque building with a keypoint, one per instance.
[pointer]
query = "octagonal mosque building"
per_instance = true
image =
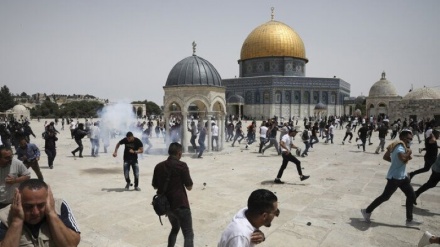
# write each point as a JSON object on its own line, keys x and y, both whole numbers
{"x": 194, "y": 90}
{"x": 272, "y": 78}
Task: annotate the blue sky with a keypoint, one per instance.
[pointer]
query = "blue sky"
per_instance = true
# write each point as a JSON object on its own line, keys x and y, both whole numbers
{"x": 124, "y": 50}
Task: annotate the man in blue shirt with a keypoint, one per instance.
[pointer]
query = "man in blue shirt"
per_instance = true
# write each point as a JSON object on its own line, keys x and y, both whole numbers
{"x": 29, "y": 154}
{"x": 398, "y": 153}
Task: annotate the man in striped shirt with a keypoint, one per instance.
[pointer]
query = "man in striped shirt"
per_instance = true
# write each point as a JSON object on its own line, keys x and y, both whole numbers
{"x": 35, "y": 218}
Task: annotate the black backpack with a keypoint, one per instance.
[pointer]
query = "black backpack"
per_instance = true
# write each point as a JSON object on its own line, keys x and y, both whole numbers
{"x": 161, "y": 205}
{"x": 160, "y": 202}
{"x": 305, "y": 135}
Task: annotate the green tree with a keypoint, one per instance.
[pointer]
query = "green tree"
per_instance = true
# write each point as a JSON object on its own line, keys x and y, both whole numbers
{"x": 81, "y": 109}
{"x": 6, "y": 99}
{"x": 47, "y": 110}
{"x": 151, "y": 107}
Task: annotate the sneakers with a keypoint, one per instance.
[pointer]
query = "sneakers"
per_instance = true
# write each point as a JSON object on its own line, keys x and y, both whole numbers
{"x": 349, "y": 141}
{"x": 247, "y": 146}
{"x": 278, "y": 181}
{"x": 127, "y": 186}
{"x": 425, "y": 239}
{"x": 73, "y": 153}
{"x": 51, "y": 167}
{"x": 304, "y": 177}
{"x": 343, "y": 143}
{"x": 420, "y": 150}
{"x": 366, "y": 215}
{"x": 358, "y": 146}
{"x": 137, "y": 188}
{"x": 377, "y": 152}
{"x": 413, "y": 222}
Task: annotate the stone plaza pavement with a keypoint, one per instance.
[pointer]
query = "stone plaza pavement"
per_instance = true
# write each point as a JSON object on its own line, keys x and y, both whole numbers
{"x": 321, "y": 211}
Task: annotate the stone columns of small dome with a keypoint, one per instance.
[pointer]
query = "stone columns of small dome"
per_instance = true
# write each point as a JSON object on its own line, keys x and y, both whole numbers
{"x": 222, "y": 131}
{"x": 184, "y": 132}
{"x": 209, "y": 133}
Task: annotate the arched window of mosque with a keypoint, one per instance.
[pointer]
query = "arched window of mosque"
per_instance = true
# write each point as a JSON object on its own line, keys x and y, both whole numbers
{"x": 249, "y": 68}
{"x": 278, "y": 97}
{"x": 266, "y": 96}
{"x": 382, "y": 105}
{"x": 315, "y": 97}
{"x": 287, "y": 97}
{"x": 273, "y": 66}
{"x": 248, "y": 97}
{"x": 260, "y": 67}
{"x": 371, "y": 106}
{"x": 306, "y": 99}
{"x": 266, "y": 66}
{"x": 297, "y": 98}
{"x": 324, "y": 97}
{"x": 257, "y": 97}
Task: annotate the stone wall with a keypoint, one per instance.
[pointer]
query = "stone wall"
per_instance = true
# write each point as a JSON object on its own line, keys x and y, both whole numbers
{"x": 423, "y": 108}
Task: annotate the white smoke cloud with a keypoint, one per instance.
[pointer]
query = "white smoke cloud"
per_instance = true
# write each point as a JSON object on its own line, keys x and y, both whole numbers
{"x": 120, "y": 117}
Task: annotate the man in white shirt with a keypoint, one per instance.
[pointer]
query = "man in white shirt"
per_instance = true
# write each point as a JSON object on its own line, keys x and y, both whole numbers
{"x": 95, "y": 133}
{"x": 214, "y": 131}
{"x": 263, "y": 134}
{"x": 72, "y": 128}
{"x": 243, "y": 231}
{"x": 286, "y": 144}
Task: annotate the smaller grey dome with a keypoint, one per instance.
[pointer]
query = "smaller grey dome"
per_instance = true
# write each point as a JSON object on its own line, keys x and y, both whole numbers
{"x": 423, "y": 93}
{"x": 236, "y": 99}
{"x": 194, "y": 71}
{"x": 320, "y": 106}
{"x": 382, "y": 88}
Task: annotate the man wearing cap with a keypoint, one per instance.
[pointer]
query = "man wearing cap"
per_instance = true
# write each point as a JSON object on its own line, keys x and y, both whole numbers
{"x": 286, "y": 144}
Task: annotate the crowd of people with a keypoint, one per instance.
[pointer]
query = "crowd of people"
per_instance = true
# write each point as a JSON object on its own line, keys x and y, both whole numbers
{"x": 20, "y": 211}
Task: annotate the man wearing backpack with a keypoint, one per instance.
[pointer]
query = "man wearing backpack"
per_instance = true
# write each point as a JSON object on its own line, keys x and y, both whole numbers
{"x": 175, "y": 174}
{"x": 79, "y": 134}
{"x": 306, "y": 139}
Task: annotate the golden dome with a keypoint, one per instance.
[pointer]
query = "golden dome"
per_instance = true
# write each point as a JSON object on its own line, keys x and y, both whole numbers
{"x": 273, "y": 39}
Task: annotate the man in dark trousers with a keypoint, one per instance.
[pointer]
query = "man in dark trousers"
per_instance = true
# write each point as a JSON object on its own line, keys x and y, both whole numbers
{"x": 174, "y": 175}
{"x": 286, "y": 144}
{"x": 133, "y": 147}
{"x": 398, "y": 153}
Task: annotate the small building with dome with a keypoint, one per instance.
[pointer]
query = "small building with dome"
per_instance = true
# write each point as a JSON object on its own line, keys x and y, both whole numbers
{"x": 419, "y": 103}
{"x": 381, "y": 94}
{"x": 194, "y": 90}
{"x": 19, "y": 112}
{"x": 272, "y": 78}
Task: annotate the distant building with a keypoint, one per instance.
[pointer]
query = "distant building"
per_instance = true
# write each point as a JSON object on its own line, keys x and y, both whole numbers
{"x": 420, "y": 103}
{"x": 381, "y": 94}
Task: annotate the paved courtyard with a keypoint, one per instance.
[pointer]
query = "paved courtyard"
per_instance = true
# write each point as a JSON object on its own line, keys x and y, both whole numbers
{"x": 321, "y": 211}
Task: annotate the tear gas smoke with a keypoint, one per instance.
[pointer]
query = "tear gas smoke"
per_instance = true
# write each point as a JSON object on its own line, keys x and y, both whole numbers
{"x": 119, "y": 117}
